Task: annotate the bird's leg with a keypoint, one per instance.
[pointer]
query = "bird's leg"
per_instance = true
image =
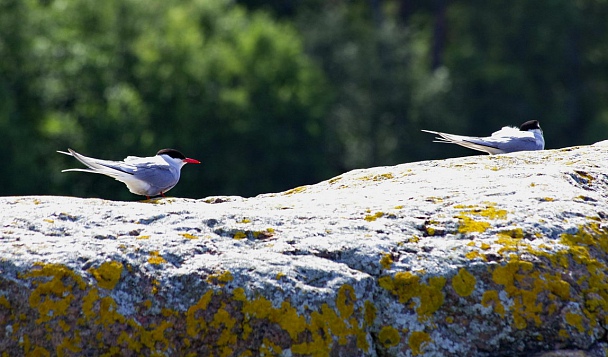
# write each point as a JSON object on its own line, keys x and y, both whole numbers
{"x": 148, "y": 198}
{"x": 162, "y": 194}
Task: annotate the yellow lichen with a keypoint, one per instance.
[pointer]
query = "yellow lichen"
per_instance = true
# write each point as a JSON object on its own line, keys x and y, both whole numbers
{"x": 575, "y": 320}
{"x": 218, "y": 315}
{"x": 469, "y": 225}
{"x": 239, "y": 235}
{"x": 69, "y": 344}
{"x": 108, "y": 274}
{"x": 406, "y": 286}
{"x": 269, "y": 348}
{"x": 524, "y": 284}
{"x": 4, "y": 302}
{"x": 39, "y": 352}
{"x": 269, "y": 232}
{"x": 490, "y": 297}
{"x": 220, "y": 279}
{"x": 369, "y": 314}
{"x": 335, "y": 179}
{"x": 188, "y": 236}
{"x": 516, "y": 233}
{"x": 475, "y": 254}
{"x": 386, "y": 261}
{"x": 434, "y": 199}
{"x": 53, "y": 297}
{"x": 379, "y": 177}
{"x": 417, "y": 341}
{"x": 345, "y": 301}
{"x": 296, "y": 190}
{"x": 373, "y": 217}
{"x": 195, "y": 324}
{"x": 389, "y": 336}
{"x": 464, "y": 283}
{"x": 155, "y": 258}
{"x": 489, "y": 211}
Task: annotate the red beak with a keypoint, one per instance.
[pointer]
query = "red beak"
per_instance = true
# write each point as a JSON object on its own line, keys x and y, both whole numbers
{"x": 191, "y": 161}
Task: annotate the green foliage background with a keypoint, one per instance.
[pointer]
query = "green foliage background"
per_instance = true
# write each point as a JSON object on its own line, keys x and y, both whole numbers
{"x": 270, "y": 95}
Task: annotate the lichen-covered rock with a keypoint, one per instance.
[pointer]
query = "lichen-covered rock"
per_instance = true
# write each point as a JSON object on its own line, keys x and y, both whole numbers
{"x": 478, "y": 256}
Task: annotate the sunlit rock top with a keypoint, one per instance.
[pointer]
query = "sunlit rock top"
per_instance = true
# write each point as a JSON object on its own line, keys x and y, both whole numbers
{"x": 483, "y": 255}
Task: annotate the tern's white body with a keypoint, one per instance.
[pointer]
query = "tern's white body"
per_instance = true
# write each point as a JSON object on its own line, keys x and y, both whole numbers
{"x": 146, "y": 176}
{"x": 508, "y": 139}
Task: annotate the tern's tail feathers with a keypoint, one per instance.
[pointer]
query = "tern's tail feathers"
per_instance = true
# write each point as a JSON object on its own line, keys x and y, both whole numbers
{"x": 473, "y": 143}
{"x": 97, "y": 166}
{"x": 82, "y": 170}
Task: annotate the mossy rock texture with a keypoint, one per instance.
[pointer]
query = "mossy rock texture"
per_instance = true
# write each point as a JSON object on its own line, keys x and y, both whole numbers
{"x": 478, "y": 256}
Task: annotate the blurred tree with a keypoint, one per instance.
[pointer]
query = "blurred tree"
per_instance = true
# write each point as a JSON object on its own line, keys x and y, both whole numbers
{"x": 19, "y": 102}
{"x": 384, "y": 85}
{"x": 128, "y": 77}
{"x": 516, "y": 61}
{"x": 269, "y": 104}
{"x": 238, "y": 90}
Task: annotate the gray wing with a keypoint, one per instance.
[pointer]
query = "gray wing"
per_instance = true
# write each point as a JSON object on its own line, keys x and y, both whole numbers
{"x": 522, "y": 143}
{"x": 163, "y": 177}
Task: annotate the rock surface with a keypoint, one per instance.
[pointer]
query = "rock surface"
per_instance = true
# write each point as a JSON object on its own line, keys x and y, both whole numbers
{"x": 477, "y": 256}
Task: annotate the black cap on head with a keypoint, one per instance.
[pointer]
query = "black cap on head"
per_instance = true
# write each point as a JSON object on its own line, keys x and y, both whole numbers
{"x": 529, "y": 125}
{"x": 171, "y": 153}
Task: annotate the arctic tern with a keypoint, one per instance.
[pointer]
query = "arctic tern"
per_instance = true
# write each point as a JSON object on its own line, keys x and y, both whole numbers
{"x": 146, "y": 176}
{"x": 528, "y": 137}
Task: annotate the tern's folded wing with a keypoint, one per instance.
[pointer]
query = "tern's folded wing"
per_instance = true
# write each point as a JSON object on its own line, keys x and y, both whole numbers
{"x": 162, "y": 177}
{"x": 515, "y": 143}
